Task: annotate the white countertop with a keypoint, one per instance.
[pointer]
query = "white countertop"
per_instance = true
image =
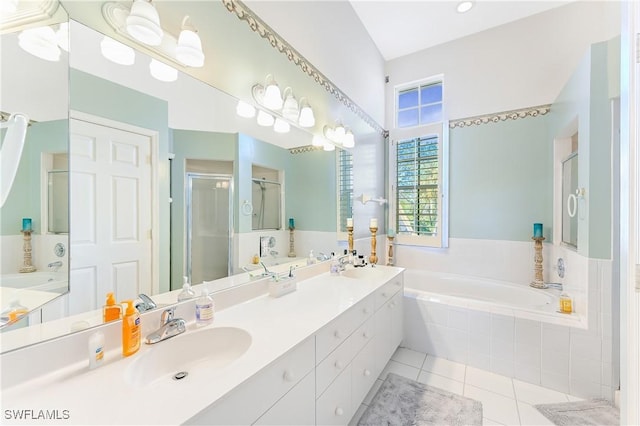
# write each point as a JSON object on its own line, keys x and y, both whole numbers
{"x": 276, "y": 325}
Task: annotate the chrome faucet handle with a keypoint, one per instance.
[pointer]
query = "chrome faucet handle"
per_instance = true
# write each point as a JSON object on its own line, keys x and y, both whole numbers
{"x": 145, "y": 304}
{"x": 167, "y": 315}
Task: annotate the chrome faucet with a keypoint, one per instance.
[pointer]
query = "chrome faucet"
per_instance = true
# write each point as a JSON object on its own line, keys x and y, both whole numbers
{"x": 169, "y": 327}
{"x": 55, "y": 265}
{"x": 145, "y": 303}
{"x": 267, "y": 273}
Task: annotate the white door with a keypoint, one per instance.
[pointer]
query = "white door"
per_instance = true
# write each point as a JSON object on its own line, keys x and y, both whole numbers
{"x": 110, "y": 215}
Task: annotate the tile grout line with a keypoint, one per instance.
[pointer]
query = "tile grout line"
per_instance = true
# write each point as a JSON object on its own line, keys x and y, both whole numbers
{"x": 515, "y": 399}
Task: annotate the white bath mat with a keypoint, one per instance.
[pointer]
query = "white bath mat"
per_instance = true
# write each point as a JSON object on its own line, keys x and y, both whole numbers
{"x": 597, "y": 412}
{"x": 401, "y": 401}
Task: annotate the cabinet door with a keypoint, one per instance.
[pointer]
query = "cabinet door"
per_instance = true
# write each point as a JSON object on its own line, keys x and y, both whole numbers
{"x": 362, "y": 374}
{"x": 397, "y": 328}
{"x": 297, "y": 407}
{"x": 334, "y": 406}
{"x": 382, "y": 338}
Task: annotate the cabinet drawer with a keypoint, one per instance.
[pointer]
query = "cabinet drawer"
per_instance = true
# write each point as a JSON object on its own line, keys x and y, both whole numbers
{"x": 384, "y": 293}
{"x": 334, "y": 333}
{"x": 334, "y": 406}
{"x": 247, "y": 402}
{"x": 363, "y": 335}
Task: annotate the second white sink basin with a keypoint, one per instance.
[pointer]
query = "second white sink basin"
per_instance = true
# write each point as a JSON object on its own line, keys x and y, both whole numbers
{"x": 191, "y": 352}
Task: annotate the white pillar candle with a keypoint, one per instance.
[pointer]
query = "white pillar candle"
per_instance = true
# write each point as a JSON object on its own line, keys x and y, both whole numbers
{"x": 349, "y": 222}
{"x": 373, "y": 223}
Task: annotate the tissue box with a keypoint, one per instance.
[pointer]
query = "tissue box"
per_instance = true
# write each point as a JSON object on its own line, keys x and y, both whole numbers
{"x": 282, "y": 287}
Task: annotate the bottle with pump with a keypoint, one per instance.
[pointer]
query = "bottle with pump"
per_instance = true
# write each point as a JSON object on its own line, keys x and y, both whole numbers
{"x": 204, "y": 309}
{"x": 311, "y": 259}
{"x": 111, "y": 311}
{"x": 13, "y": 312}
{"x": 334, "y": 267}
{"x": 187, "y": 292}
{"x": 130, "y": 330}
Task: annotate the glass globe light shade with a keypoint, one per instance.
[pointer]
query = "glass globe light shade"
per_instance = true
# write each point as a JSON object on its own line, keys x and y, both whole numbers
{"x": 162, "y": 71}
{"x": 40, "y": 42}
{"x": 143, "y": 23}
{"x": 117, "y": 52}
{"x": 189, "y": 49}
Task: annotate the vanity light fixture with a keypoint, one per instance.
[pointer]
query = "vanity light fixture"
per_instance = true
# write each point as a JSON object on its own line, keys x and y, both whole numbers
{"x": 245, "y": 110}
{"x": 189, "y": 48}
{"x": 281, "y": 126}
{"x": 464, "y": 6}
{"x": 290, "y": 108}
{"x": 306, "y": 118}
{"x": 143, "y": 23}
{"x": 163, "y": 72}
{"x": 265, "y": 119}
{"x": 318, "y": 141}
{"x": 328, "y": 146}
{"x": 117, "y": 52}
{"x": 272, "y": 98}
{"x": 40, "y": 42}
{"x": 349, "y": 140}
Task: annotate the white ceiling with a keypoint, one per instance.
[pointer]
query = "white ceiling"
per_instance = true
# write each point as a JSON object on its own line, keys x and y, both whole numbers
{"x": 399, "y": 28}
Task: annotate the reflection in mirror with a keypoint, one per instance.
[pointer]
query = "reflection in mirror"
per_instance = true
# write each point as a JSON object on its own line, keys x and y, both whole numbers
{"x": 570, "y": 195}
{"x": 265, "y": 194}
{"x": 58, "y": 196}
{"x": 33, "y": 273}
{"x": 209, "y": 201}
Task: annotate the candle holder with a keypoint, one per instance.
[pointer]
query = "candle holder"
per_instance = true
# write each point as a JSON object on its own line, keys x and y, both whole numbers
{"x": 373, "y": 259}
{"x": 538, "y": 281}
{"x": 26, "y": 247}
{"x": 292, "y": 253}
{"x": 390, "y": 252}
{"x": 350, "y": 238}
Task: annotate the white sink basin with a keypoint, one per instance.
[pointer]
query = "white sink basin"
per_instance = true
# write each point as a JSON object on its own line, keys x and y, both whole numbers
{"x": 191, "y": 352}
{"x": 366, "y": 272}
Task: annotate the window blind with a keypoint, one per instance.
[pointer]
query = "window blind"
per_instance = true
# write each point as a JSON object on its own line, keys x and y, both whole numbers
{"x": 345, "y": 187}
{"x": 417, "y": 186}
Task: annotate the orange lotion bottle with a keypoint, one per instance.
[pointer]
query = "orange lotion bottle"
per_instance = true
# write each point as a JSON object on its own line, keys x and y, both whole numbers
{"x": 111, "y": 311}
{"x": 130, "y": 330}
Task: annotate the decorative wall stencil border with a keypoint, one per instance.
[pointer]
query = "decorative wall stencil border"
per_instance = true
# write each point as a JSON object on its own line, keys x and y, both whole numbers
{"x": 303, "y": 149}
{"x": 501, "y": 116}
{"x": 259, "y": 26}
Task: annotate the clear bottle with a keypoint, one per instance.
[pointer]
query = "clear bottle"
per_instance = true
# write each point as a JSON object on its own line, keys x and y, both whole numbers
{"x": 334, "y": 267}
{"x": 13, "y": 312}
{"x": 96, "y": 350}
{"x": 311, "y": 259}
{"x": 204, "y": 309}
{"x": 187, "y": 292}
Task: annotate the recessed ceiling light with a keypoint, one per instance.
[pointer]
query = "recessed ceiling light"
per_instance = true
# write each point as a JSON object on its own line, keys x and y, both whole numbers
{"x": 464, "y": 6}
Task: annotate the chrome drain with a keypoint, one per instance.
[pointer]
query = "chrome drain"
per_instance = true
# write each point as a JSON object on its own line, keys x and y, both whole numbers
{"x": 181, "y": 375}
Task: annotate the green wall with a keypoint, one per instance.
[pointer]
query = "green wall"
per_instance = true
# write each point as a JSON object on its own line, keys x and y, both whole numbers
{"x": 24, "y": 198}
{"x": 102, "y": 98}
{"x": 500, "y": 180}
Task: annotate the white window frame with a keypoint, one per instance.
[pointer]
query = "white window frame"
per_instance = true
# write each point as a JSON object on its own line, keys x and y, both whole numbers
{"x": 441, "y": 130}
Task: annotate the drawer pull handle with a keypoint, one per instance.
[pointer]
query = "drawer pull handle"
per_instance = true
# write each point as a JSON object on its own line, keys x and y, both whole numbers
{"x": 366, "y": 311}
{"x": 366, "y": 372}
{"x": 384, "y": 294}
{"x": 366, "y": 335}
{"x": 339, "y": 411}
{"x": 337, "y": 334}
{"x": 338, "y": 364}
{"x": 288, "y": 376}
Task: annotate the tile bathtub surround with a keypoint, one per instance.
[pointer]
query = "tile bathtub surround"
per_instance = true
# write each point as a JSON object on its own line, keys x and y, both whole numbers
{"x": 504, "y": 400}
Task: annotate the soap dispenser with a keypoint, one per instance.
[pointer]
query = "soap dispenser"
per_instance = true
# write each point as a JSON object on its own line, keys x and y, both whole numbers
{"x": 130, "y": 330}
{"x": 111, "y": 311}
{"x": 204, "y": 309}
{"x": 187, "y": 292}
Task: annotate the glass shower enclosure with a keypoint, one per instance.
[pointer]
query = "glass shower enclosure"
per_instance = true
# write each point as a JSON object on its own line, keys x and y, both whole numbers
{"x": 209, "y": 226}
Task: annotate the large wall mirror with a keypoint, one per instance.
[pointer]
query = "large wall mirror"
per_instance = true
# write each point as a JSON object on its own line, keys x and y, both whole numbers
{"x": 162, "y": 135}
{"x": 34, "y": 120}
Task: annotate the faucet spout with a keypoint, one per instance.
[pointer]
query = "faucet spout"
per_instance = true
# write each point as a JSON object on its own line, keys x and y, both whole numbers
{"x": 169, "y": 327}
{"x": 54, "y": 266}
{"x": 145, "y": 303}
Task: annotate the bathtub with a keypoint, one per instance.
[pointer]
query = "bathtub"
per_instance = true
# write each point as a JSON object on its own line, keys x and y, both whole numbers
{"x": 43, "y": 281}
{"x": 489, "y": 324}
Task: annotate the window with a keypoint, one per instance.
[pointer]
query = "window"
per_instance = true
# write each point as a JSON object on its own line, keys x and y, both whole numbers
{"x": 418, "y": 163}
{"x": 419, "y": 105}
{"x": 345, "y": 188}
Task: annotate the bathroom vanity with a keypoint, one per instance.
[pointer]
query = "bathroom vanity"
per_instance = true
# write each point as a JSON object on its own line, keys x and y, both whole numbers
{"x": 308, "y": 357}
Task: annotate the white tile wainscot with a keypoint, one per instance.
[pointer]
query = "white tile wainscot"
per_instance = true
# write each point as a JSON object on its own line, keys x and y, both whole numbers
{"x": 279, "y": 379}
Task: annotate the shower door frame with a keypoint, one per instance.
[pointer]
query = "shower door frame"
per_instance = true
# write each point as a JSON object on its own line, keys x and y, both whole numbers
{"x": 188, "y": 222}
